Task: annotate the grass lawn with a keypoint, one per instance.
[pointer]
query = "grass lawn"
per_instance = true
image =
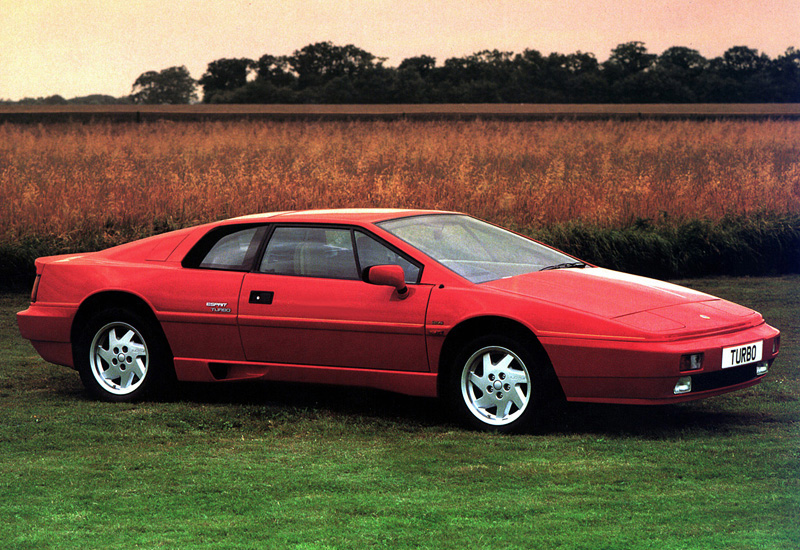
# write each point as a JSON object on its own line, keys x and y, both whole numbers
{"x": 289, "y": 466}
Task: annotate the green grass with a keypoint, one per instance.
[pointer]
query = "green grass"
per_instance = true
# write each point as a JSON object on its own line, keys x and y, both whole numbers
{"x": 289, "y": 466}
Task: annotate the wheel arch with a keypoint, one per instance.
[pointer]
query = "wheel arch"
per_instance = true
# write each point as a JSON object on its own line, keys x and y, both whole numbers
{"x": 469, "y": 329}
{"x": 114, "y": 299}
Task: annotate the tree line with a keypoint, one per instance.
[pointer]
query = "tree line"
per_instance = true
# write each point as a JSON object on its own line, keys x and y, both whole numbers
{"x": 324, "y": 73}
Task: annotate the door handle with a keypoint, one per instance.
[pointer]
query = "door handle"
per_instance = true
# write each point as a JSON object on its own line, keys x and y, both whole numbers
{"x": 261, "y": 296}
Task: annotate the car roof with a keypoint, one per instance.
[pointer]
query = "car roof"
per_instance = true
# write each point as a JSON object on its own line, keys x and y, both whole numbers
{"x": 343, "y": 215}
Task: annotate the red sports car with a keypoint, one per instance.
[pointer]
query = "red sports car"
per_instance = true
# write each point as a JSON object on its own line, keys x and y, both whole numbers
{"x": 418, "y": 302}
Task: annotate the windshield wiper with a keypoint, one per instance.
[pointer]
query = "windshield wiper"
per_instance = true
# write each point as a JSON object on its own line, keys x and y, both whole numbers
{"x": 564, "y": 266}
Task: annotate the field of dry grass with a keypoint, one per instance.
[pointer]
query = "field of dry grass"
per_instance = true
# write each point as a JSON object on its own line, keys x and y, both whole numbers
{"x": 118, "y": 181}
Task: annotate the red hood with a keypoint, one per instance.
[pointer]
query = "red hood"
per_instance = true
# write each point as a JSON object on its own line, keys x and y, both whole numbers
{"x": 645, "y": 303}
{"x": 599, "y": 291}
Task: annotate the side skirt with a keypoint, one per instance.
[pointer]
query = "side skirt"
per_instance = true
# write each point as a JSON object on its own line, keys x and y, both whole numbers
{"x": 422, "y": 384}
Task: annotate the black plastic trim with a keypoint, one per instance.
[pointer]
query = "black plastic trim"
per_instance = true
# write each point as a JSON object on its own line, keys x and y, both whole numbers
{"x": 723, "y": 378}
{"x": 261, "y": 297}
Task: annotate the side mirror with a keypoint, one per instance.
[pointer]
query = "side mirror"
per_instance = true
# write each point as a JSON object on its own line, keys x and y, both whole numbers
{"x": 388, "y": 275}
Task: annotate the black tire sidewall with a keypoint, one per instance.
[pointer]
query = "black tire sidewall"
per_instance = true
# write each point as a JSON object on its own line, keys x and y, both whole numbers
{"x": 454, "y": 395}
{"x": 158, "y": 358}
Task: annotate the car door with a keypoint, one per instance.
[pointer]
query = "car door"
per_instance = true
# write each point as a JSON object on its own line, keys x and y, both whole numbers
{"x": 197, "y": 305}
{"x": 306, "y": 304}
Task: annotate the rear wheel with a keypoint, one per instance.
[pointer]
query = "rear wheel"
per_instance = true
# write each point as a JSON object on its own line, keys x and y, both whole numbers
{"x": 121, "y": 356}
{"x": 494, "y": 384}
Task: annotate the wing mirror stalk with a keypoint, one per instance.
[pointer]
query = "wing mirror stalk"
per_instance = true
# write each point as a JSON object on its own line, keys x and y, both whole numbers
{"x": 388, "y": 275}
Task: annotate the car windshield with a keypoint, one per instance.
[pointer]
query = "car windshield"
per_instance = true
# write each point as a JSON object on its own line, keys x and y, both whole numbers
{"x": 476, "y": 250}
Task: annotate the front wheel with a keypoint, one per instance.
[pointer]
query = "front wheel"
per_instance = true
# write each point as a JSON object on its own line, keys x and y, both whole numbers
{"x": 493, "y": 385}
{"x": 120, "y": 355}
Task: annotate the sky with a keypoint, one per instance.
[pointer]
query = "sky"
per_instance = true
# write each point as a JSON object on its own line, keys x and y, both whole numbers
{"x": 80, "y": 47}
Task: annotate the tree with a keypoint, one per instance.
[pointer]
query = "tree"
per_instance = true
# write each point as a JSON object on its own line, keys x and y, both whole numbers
{"x": 494, "y": 65}
{"x": 682, "y": 59}
{"x": 54, "y": 100}
{"x": 225, "y": 75}
{"x": 628, "y": 59}
{"x": 676, "y": 76}
{"x": 627, "y": 71}
{"x": 741, "y": 75}
{"x": 478, "y": 78}
{"x": 317, "y": 64}
{"x": 743, "y": 61}
{"x": 326, "y": 73}
{"x": 786, "y": 76}
{"x": 423, "y": 65}
{"x": 411, "y": 87}
{"x": 275, "y": 70}
{"x": 173, "y": 86}
{"x": 580, "y": 77}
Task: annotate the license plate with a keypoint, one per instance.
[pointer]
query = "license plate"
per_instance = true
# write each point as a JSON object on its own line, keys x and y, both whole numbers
{"x": 742, "y": 355}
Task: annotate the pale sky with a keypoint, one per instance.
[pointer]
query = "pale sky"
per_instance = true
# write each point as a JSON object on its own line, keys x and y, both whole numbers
{"x": 80, "y": 47}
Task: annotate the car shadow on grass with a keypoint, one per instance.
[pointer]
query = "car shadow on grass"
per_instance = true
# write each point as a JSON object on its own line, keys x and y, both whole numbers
{"x": 653, "y": 421}
{"x": 408, "y": 412}
{"x": 302, "y": 399}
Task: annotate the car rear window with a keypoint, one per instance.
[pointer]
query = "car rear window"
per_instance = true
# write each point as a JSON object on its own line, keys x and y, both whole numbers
{"x": 229, "y": 247}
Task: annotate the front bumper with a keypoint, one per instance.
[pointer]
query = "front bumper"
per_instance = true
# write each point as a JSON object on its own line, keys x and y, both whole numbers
{"x": 646, "y": 372}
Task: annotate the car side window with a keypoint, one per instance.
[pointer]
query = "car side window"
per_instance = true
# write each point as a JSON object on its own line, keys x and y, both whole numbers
{"x": 372, "y": 252}
{"x": 310, "y": 252}
{"x": 229, "y": 250}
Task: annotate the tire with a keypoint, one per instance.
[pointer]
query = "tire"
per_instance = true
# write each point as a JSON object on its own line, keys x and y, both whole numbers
{"x": 495, "y": 384}
{"x": 122, "y": 356}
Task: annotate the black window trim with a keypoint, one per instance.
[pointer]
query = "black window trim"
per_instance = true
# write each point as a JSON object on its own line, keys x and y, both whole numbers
{"x": 195, "y": 256}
